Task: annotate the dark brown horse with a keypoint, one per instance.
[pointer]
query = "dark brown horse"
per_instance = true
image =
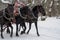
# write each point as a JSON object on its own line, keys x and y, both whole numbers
{"x": 35, "y": 11}
{"x": 20, "y": 19}
{"x": 31, "y": 16}
{"x": 6, "y": 16}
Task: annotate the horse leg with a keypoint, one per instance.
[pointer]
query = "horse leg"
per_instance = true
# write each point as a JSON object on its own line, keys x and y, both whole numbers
{"x": 29, "y": 28}
{"x": 24, "y": 28}
{"x": 17, "y": 29}
{"x": 11, "y": 29}
{"x": 36, "y": 28}
{"x": 8, "y": 30}
{"x": 2, "y": 31}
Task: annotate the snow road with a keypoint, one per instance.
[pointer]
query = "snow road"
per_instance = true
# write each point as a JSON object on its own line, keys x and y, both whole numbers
{"x": 48, "y": 30}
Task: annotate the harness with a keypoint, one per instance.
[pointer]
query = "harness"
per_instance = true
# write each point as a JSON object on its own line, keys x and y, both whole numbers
{"x": 4, "y": 15}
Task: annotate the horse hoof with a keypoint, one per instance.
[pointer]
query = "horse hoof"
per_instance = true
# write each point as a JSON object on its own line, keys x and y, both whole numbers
{"x": 38, "y": 35}
{"x": 2, "y": 37}
{"x": 10, "y": 36}
{"x": 22, "y": 32}
{"x": 17, "y": 35}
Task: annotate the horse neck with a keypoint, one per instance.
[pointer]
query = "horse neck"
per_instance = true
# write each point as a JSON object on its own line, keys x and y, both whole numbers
{"x": 35, "y": 11}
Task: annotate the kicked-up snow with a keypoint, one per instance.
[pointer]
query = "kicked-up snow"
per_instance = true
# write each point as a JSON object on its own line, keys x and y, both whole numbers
{"x": 48, "y": 30}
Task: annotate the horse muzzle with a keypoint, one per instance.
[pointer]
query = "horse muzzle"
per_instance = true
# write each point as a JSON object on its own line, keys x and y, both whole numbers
{"x": 43, "y": 18}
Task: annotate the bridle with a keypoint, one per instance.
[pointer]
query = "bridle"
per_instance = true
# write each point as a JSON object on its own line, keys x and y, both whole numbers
{"x": 4, "y": 14}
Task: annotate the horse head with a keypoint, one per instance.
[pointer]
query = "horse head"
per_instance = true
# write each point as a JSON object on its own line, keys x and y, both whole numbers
{"x": 9, "y": 11}
{"x": 41, "y": 9}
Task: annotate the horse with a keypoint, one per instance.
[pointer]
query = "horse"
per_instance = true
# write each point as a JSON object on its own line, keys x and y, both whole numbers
{"x": 20, "y": 17}
{"x": 31, "y": 16}
{"x": 35, "y": 11}
{"x": 6, "y": 16}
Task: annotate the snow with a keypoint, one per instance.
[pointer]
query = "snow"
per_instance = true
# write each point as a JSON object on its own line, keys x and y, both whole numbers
{"x": 48, "y": 30}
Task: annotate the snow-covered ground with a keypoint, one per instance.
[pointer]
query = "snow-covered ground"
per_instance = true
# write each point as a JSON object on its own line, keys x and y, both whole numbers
{"x": 48, "y": 30}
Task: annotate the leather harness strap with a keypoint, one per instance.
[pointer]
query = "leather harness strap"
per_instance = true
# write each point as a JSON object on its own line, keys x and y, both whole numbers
{"x": 4, "y": 15}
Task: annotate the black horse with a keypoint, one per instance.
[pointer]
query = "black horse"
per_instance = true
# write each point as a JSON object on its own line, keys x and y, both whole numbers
{"x": 31, "y": 16}
{"x": 6, "y": 16}
{"x": 20, "y": 19}
{"x": 35, "y": 10}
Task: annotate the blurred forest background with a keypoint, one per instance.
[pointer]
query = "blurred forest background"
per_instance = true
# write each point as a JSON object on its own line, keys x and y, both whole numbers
{"x": 52, "y": 7}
